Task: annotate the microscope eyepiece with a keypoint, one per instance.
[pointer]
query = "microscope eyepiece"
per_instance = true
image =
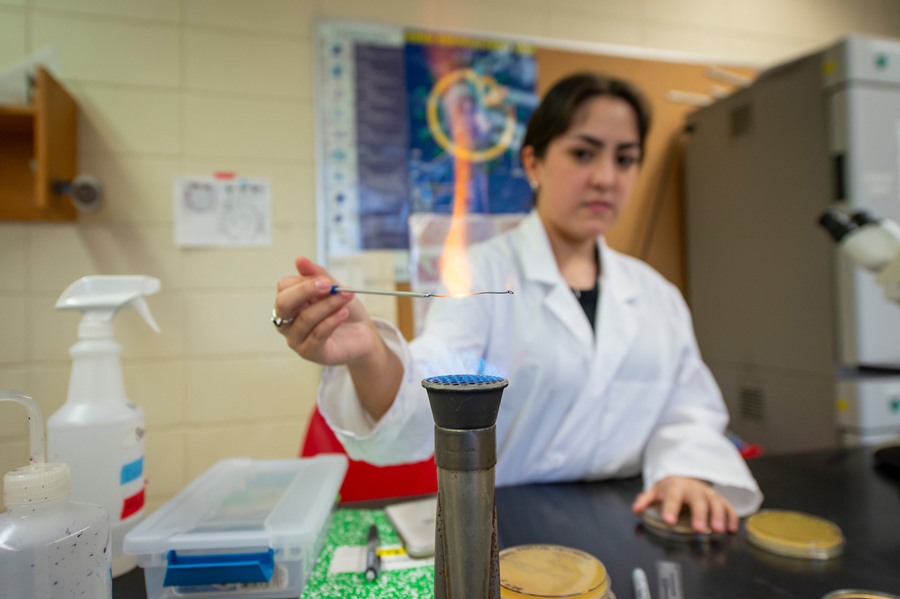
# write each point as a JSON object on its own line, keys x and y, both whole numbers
{"x": 837, "y": 223}
{"x": 862, "y": 218}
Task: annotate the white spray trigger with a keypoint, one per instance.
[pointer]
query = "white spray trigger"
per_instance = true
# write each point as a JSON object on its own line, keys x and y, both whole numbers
{"x": 100, "y": 297}
{"x": 141, "y": 306}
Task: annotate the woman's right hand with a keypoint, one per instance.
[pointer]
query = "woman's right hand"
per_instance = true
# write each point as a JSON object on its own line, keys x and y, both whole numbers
{"x": 329, "y": 329}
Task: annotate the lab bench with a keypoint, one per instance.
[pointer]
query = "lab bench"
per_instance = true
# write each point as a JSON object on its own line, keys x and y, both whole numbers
{"x": 841, "y": 485}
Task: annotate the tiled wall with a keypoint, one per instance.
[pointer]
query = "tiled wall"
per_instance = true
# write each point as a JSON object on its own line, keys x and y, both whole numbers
{"x": 170, "y": 87}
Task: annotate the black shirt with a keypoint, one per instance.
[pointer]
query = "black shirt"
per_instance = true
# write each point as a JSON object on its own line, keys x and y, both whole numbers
{"x": 588, "y": 300}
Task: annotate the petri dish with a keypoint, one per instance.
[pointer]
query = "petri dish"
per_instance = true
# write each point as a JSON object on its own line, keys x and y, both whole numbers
{"x": 552, "y": 571}
{"x": 682, "y": 530}
{"x": 793, "y": 565}
{"x": 794, "y": 534}
{"x": 858, "y": 594}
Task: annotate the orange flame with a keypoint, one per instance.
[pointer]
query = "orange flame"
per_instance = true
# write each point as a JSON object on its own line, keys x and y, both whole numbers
{"x": 455, "y": 273}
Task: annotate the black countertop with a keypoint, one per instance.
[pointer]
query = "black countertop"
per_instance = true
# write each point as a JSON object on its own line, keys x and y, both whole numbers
{"x": 842, "y": 486}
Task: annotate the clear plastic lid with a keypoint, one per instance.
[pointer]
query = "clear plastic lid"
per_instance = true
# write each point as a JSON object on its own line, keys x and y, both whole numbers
{"x": 240, "y": 503}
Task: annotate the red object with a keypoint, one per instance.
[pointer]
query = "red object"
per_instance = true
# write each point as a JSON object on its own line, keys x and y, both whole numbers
{"x": 751, "y": 450}
{"x": 225, "y": 175}
{"x": 365, "y": 481}
{"x": 133, "y": 504}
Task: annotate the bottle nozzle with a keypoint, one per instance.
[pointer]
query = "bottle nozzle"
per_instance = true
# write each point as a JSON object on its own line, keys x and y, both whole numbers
{"x": 100, "y": 297}
{"x": 39, "y": 482}
{"x": 141, "y": 306}
{"x": 35, "y": 423}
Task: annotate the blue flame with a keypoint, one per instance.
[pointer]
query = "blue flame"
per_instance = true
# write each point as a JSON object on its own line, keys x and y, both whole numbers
{"x": 447, "y": 362}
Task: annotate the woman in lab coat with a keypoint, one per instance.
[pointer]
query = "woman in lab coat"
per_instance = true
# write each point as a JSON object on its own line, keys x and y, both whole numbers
{"x": 605, "y": 377}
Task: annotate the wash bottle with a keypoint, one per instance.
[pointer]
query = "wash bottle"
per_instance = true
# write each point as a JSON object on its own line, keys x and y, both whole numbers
{"x": 50, "y": 548}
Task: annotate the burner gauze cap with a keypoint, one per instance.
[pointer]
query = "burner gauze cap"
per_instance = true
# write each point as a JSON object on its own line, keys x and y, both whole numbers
{"x": 465, "y": 401}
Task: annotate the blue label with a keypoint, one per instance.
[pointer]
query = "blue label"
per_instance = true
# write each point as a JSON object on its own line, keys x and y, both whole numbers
{"x": 132, "y": 471}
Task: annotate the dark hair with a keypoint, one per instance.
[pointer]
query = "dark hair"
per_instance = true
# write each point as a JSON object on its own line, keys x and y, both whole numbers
{"x": 554, "y": 115}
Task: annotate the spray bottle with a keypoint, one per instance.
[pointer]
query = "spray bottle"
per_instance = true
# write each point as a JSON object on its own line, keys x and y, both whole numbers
{"x": 98, "y": 432}
{"x": 50, "y": 548}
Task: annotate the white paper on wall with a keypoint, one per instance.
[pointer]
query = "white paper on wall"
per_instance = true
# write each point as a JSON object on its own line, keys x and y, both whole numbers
{"x": 211, "y": 212}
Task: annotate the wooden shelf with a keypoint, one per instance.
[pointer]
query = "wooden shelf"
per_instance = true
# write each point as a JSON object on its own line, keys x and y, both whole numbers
{"x": 16, "y": 119}
{"x": 38, "y": 145}
{"x": 17, "y": 109}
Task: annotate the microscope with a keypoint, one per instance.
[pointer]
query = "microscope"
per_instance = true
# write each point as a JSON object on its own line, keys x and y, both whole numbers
{"x": 871, "y": 242}
{"x": 874, "y": 244}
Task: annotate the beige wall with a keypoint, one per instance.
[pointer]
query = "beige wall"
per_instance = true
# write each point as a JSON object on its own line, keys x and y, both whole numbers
{"x": 169, "y": 87}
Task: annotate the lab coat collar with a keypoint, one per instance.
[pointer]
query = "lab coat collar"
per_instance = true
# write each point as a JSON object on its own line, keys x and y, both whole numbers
{"x": 617, "y": 289}
{"x": 614, "y": 279}
{"x": 538, "y": 262}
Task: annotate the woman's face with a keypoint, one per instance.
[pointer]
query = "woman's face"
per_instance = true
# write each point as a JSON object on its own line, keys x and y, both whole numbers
{"x": 587, "y": 174}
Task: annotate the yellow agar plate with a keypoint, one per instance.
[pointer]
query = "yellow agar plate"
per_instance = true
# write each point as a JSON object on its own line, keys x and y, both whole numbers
{"x": 551, "y": 571}
{"x": 858, "y": 594}
{"x": 795, "y": 534}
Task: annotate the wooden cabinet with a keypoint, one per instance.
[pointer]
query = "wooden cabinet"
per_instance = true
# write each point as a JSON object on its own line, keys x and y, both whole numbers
{"x": 38, "y": 149}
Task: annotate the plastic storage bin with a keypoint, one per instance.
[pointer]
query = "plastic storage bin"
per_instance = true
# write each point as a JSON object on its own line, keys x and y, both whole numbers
{"x": 248, "y": 529}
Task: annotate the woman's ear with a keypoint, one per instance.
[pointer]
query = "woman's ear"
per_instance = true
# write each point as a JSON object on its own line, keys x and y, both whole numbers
{"x": 530, "y": 164}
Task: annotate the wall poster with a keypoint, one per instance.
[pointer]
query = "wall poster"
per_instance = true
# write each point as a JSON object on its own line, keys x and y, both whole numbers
{"x": 414, "y": 122}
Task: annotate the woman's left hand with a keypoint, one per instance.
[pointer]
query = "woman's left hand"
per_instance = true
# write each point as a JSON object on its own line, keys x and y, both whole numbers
{"x": 707, "y": 504}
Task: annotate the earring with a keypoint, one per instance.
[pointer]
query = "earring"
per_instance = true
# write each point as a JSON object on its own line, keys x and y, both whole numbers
{"x": 534, "y": 185}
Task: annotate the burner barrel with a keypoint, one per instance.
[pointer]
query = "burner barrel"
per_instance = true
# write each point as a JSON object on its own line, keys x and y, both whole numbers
{"x": 466, "y": 562}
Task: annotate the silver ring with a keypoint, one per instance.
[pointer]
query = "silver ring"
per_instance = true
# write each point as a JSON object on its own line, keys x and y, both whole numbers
{"x": 278, "y": 322}
{"x": 710, "y": 492}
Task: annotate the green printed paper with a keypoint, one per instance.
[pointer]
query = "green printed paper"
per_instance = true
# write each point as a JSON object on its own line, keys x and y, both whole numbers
{"x": 351, "y": 527}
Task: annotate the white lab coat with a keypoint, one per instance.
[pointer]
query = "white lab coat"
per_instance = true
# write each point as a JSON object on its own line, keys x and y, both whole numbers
{"x": 579, "y": 405}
